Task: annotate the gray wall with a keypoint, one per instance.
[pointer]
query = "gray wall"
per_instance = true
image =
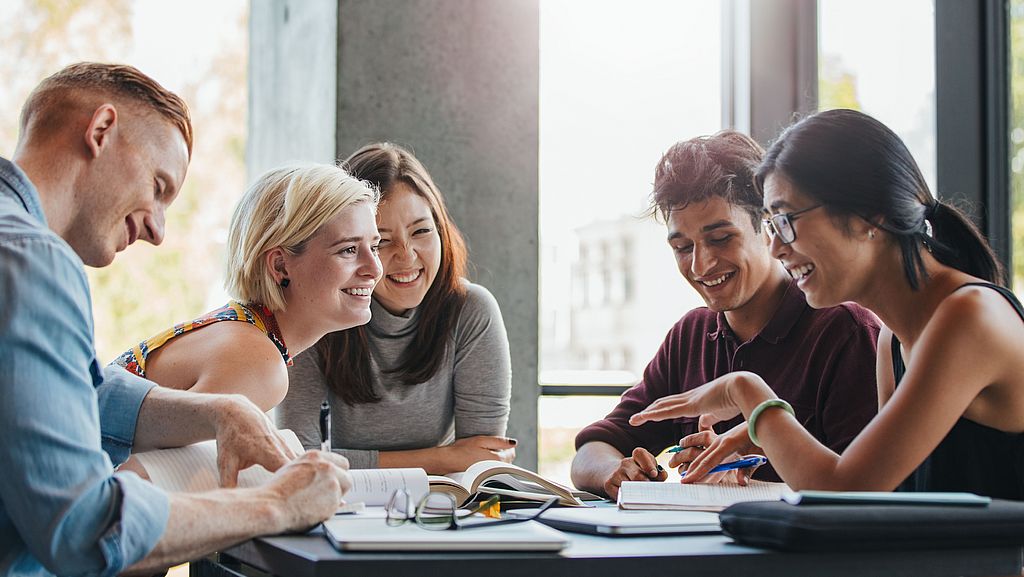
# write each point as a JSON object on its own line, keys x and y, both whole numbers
{"x": 292, "y": 100}
{"x": 457, "y": 82}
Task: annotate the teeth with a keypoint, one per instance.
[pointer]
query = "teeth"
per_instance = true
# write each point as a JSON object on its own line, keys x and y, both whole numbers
{"x": 359, "y": 292}
{"x": 717, "y": 281}
{"x": 801, "y": 271}
{"x": 407, "y": 277}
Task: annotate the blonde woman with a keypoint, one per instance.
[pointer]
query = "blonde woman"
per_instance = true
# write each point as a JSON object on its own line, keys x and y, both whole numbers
{"x": 302, "y": 262}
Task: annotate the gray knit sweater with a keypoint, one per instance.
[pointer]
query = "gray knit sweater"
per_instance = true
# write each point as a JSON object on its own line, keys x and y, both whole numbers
{"x": 469, "y": 394}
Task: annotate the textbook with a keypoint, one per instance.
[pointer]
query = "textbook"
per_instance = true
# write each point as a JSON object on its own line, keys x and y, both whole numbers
{"x": 508, "y": 480}
{"x": 193, "y": 468}
{"x": 696, "y": 496}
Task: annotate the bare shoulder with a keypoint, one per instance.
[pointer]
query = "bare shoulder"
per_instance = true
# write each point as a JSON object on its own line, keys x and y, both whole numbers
{"x": 229, "y": 357}
{"x": 977, "y": 311}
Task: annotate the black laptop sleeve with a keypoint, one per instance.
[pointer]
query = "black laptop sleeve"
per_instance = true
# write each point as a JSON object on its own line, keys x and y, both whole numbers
{"x": 779, "y": 525}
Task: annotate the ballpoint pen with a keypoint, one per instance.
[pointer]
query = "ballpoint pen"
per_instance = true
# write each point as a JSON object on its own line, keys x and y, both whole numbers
{"x": 740, "y": 464}
{"x": 325, "y": 426}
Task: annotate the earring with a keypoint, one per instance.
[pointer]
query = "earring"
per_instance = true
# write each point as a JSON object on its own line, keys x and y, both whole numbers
{"x": 285, "y": 282}
{"x": 871, "y": 234}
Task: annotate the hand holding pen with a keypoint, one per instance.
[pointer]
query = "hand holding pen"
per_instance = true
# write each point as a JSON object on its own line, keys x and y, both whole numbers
{"x": 706, "y": 444}
{"x": 746, "y": 463}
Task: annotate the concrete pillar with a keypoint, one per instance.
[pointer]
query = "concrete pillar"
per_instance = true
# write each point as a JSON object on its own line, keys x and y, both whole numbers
{"x": 292, "y": 86}
{"x": 457, "y": 82}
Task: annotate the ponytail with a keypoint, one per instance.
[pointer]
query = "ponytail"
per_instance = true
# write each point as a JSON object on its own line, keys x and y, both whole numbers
{"x": 957, "y": 243}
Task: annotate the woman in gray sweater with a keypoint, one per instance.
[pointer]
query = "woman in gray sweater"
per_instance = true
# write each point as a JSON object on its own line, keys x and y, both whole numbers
{"x": 427, "y": 382}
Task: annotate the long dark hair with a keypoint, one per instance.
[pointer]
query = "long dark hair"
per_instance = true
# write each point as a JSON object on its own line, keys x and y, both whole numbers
{"x": 345, "y": 354}
{"x": 855, "y": 165}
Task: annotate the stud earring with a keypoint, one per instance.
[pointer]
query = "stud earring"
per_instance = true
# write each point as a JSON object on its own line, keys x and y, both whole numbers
{"x": 285, "y": 282}
{"x": 871, "y": 235}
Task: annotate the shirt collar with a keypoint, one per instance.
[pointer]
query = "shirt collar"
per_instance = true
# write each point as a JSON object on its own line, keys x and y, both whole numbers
{"x": 16, "y": 183}
{"x": 790, "y": 308}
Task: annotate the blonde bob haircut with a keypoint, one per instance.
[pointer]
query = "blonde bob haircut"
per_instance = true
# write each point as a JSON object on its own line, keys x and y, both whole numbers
{"x": 284, "y": 208}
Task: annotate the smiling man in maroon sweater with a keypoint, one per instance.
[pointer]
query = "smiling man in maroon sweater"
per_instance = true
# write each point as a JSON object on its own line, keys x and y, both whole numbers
{"x": 821, "y": 361}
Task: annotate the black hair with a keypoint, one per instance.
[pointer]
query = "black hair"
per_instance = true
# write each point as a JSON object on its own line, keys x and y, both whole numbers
{"x": 855, "y": 165}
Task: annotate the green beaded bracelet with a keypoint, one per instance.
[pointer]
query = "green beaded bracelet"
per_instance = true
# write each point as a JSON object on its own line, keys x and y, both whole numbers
{"x": 752, "y": 421}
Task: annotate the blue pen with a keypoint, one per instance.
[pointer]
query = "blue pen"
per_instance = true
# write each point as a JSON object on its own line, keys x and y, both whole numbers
{"x": 740, "y": 464}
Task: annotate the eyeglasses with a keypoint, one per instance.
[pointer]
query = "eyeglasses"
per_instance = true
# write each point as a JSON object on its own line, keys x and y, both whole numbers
{"x": 439, "y": 512}
{"x": 781, "y": 225}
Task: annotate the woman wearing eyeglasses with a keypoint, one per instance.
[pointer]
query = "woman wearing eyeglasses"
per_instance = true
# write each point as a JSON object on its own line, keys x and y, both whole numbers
{"x": 853, "y": 220}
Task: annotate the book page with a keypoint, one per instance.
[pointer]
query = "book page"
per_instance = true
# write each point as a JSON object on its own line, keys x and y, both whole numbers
{"x": 375, "y": 486}
{"x": 648, "y": 495}
{"x": 193, "y": 468}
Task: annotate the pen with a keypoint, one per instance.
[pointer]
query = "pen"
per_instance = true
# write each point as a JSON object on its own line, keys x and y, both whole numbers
{"x": 325, "y": 426}
{"x": 740, "y": 464}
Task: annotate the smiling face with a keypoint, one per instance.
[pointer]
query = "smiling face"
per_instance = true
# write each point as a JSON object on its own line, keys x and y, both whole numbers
{"x": 410, "y": 249}
{"x": 720, "y": 254}
{"x": 332, "y": 279}
{"x": 831, "y": 265}
{"x": 124, "y": 192}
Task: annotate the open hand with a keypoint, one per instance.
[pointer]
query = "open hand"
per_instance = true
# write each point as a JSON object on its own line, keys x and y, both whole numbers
{"x": 712, "y": 399}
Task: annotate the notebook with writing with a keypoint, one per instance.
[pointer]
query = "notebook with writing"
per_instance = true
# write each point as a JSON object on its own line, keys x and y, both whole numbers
{"x": 695, "y": 496}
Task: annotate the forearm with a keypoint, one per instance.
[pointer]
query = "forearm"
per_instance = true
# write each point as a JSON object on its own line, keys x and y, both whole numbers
{"x": 173, "y": 418}
{"x": 433, "y": 460}
{"x": 201, "y": 523}
{"x": 799, "y": 459}
{"x": 593, "y": 464}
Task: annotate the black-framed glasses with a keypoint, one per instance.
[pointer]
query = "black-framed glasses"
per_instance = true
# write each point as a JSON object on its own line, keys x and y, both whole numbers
{"x": 439, "y": 512}
{"x": 781, "y": 225}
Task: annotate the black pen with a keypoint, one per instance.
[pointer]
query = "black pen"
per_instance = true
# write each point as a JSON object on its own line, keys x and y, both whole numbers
{"x": 325, "y": 426}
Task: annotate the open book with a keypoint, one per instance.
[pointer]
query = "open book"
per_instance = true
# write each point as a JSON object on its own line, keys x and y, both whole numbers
{"x": 194, "y": 468}
{"x": 696, "y": 496}
{"x": 498, "y": 478}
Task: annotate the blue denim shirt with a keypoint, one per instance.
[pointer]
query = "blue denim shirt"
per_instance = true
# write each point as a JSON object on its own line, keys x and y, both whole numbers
{"x": 63, "y": 419}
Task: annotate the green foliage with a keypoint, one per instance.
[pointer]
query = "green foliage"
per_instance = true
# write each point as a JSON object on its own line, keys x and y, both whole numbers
{"x": 1017, "y": 139}
{"x": 147, "y": 289}
{"x": 837, "y": 87}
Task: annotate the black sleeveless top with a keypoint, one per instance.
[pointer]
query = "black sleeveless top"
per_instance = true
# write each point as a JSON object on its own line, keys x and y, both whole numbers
{"x": 972, "y": 457}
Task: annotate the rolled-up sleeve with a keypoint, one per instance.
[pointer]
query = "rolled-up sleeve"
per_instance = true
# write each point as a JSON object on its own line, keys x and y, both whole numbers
{"x": 120, "y": 396}
{"x": 62, "y": 422}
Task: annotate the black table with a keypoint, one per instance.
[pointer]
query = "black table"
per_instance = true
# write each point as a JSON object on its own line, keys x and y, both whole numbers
{"x": 591, "y": 556}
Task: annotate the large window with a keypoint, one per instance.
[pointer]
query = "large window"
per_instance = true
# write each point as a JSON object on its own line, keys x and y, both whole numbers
{"x": 1016, "y": 116}
{"x": 878, "y": 57}
{"x": 149, "y": 288}
{"x": 619, "y": 84}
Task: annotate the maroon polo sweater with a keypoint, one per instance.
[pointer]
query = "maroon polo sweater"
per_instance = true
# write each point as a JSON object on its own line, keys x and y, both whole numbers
{"x": 821, "y": 361}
